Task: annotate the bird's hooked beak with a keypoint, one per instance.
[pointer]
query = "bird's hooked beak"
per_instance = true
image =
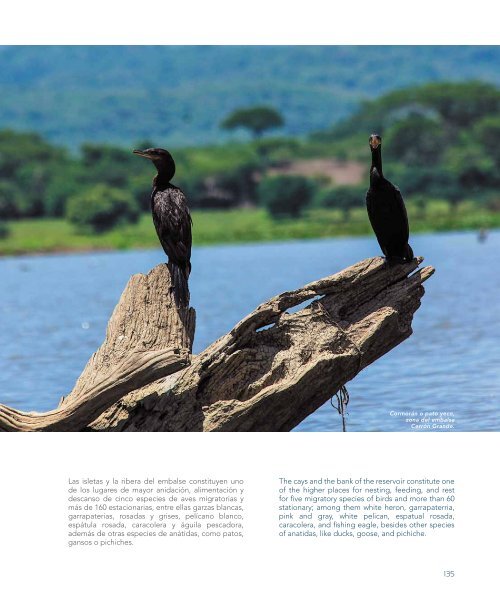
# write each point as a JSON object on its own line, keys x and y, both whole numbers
{"x": 375, "y": 141}
{"x": 143, "y": 154}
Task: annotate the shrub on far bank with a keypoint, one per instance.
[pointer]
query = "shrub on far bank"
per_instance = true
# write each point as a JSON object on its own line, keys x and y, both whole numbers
{"x": 286, "y": 195}
{"x": 343, "y": 197}
{"x": 101, "y": 208}
{"x": 9, "y": 200}
{"x": 492, "y": 203}
{"x": 4, "y": 231}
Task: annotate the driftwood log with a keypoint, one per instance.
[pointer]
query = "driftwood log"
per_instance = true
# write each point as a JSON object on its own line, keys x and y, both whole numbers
{"x": 272, "y": 370}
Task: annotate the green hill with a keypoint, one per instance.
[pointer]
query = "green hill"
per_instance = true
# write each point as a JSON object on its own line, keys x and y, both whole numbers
{"x": 178, "y": 95}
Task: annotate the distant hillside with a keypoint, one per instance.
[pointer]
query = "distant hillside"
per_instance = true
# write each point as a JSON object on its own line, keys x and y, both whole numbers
{"x": 178, "y": 95}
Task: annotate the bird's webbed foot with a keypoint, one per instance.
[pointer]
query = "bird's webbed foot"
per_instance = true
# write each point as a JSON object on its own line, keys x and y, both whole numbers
{"x": 392, "y": 261}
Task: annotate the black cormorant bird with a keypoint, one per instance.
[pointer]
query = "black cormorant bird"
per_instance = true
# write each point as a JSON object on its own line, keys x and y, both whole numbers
{"x": 172, "y": 220}
{"x": 387, "y": 211}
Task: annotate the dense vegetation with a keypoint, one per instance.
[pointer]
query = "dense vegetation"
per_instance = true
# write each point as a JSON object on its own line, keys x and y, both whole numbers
{"x": 440, "y": 146}
{"x": 439, "y": 139}
{"x": 286, "y": 195}
{"x": 101, "y": 208}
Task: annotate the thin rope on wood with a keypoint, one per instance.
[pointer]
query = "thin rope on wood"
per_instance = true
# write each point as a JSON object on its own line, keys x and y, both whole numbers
{"x": 342, "y": 395}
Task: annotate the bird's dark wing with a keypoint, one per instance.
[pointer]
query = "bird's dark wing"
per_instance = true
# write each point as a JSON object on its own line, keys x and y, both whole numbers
{"x": 370, "y": 198}
{"x": 388, "y": 217}
{"x": 399, "y": 207}
{"x": 173, "y": 222}
{"x": 376, "y": 219}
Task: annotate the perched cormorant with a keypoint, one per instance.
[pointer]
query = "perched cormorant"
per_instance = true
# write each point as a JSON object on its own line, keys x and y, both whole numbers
{"x": 172, "y": 220}
{"x": 387, "y": 211}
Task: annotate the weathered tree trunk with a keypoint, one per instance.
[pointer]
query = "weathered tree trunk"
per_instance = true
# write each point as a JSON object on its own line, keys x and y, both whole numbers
{"x": 147, "y": 338}
{"x": 267, "y": 374}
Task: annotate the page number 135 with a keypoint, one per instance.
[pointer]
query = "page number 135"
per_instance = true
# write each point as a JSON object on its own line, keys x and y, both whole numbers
{"x": 449, "y": 573}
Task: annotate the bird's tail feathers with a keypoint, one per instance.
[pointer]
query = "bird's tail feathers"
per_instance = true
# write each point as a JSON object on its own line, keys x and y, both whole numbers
{"x": 181, "y": 288}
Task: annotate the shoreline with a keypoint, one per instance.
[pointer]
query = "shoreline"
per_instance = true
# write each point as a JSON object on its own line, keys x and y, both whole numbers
{"x": 236, "y": 226}
{"x": 103, "y": 249}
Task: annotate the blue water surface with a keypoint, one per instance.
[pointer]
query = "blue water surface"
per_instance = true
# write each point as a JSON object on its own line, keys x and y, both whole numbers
{"x": 54, "y": 310}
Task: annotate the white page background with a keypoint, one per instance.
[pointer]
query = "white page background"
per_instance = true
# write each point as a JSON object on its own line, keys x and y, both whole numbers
{"x": 35, "y": 468}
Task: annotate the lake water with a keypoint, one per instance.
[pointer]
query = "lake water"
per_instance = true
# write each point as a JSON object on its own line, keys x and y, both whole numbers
{"x": 54, "y": 310}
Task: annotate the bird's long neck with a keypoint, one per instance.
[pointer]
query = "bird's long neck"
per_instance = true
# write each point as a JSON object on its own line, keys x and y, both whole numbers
{"x": 161, "y": 181}
{"x": 377, "y": 161}
{"x": 166, "y": 171}
{"x": 376, "y": 167}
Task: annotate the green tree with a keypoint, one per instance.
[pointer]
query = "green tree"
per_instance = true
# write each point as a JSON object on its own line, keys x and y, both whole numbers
{"x": 29, "y": 165}
{"x": 9, "y": 200}
{"x": 65, "y": 182}
{"x": 487, "y": 132}
{"x": 257, "y": 120}
{"x": 460, "y": 103}
{"x": 286, "y": 195}
{"x": 473, "y": 169}
{"x": 100, "y": 208}
{"x": 344, "y": 197}
{"x": 456, "y": 104}
{"x": 415, "y": 140}
{"x": 438, "y": 182}
{"x": 109, "y": 165}
{"x": 240, "y": 183}
{"x": 435, "y": 181}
